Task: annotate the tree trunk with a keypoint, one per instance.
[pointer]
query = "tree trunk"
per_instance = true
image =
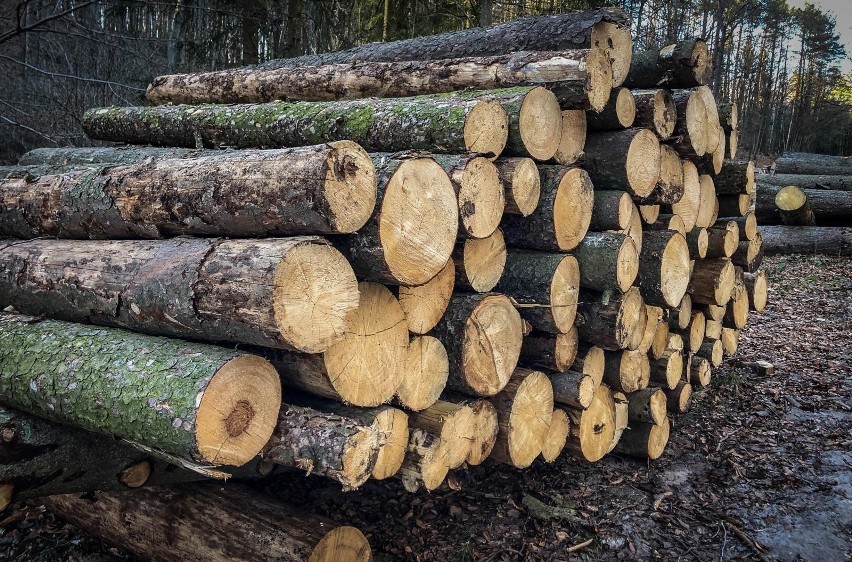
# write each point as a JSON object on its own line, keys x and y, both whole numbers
{"x": 455, "y": 426}
{"x": 611, "y": 320}
{"x": 164, "y": 524}
{"x": 365, "y": 368}
{"x": 211, "y": 405}
{"x": 292, "y": 293}
{"x": 535, "y": 121}
{"x": 563, "y": 215}
{"x": 712, "y": 281}
{"x": 708, "y": 206}
{"x": 670, "y": 187}
{"x": 698, "y": 240}
{"x": 626, "y": 371}
{"x": 413, "y": 230}
{"x": 313, "y": 189}
{"x": 608, "y": 261}
{"x": 483, "y": 334}
{"x": 481, "y": 197}
{"x": 550, "y": 352}
{"x": 826, "y": 205}
{"x": 723, "y": 240}
{"x": 747, "y": 225}
{"x": 425, "y": 373}
{"x": 459, "y": 122}
{"x": 711, "y": 350}
{"x": 424, "y": 305}
{"x": 545, "y": 288}
{"x": 618, "y": 113}
{"x": 521, "y": 184}
{"x": 106, "y": 155}
{"x": 524, "y": 409}
{"x": 838, "y": 182}
{"x": 593, "y": 429}
{"x": 628, "y": 159}
{"x": 749, "y": 254}
{"x": 668, "y": 369}
{"x": 699, "y": 371}
{"x": 655, "y": 110}
{"x": 663, "y": 268}
{"x": 647, "y": 406}
{"x": 424, "y": 465}
{"x": 679, "y": 65}
{"x": 813, "y": 164}
{"x": 832, "y": 241}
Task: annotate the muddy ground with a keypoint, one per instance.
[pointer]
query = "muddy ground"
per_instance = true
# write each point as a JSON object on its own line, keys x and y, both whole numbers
{"x": 759, "y": 469}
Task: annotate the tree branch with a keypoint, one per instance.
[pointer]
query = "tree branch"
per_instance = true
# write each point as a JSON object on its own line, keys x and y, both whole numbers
{"x": 20, "y": 29}
{"x": 71, "y": 76}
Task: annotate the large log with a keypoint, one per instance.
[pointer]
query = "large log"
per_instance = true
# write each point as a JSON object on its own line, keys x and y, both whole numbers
{"x": 663, "y": 273}
{"x": 628, "y": 159}
{"x": 714, "y": 131}
{"x": 607, "y": 261}
{"x": 544, "y": 287}
{"x": 610, "y": 320}
{"x": 455, "y": 122}
{"x": 424, "y": 305}
{"x": 483, "y": 334}
{"x": 524, "y": 409}
{"x": 480, "y": 262}
{"x": 197, "y": 402}
{"x": 327, "y": 188}
{"x": 206, "y": 522}
{"x": 606, "y": 28}
{"x": 832, "y": 241}
{"x": 655, "y": 110}
{"x": 618, "y": 113}
{"x": 365, "y": 368}
{"x": 805, "y": 181}
{"x": 813, "y": 164}
{"x": 292, "y": 293}
{"x": 679, "y": 65}
{"x": 563, "y": 215}
{"x": 413, "y": 231}
{"x": 827, "y": 205}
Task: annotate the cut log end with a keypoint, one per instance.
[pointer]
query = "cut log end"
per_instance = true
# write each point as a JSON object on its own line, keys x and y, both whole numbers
{"x": 350, "y": 191}
{"x": 529, "y": 419}
{"x": 425, "y": 373}
{"x": 599, "y": 80}
{"x": 627, "y": 267}
{"x": 572, "y": 209}
{"x": 238, "y": 411}
{"x": 757, "y": 288}
{"x": 342, "y": 544}
{"x": 617, "y": 41}
{"x": 522, "y": 182}
{"x": 424, "y": 305}
{"x": 730, "y": 341}
{"x": 595, "y": 431}
{"x": 540, "y": 123}
{"x": 643, "y": 163}
{"x": 649, "y": 213}
{"x": 418, "y": 221}
{"x": 135, "y": 475}
{"x": 679, "y": 398}
{"x": 366, "y": 367}
{"x": 481, "y": 198}
{"x": 564, "y": 292}
{"x": 480, "y": 263}
{"x": 493, "y": 336}
{"x": 573, "y": 137}
{"x": 392, "y": 427}
{"x": 675, "y": 270}
{"x": 700, "y": 371}
{"x": 557, "y": 435}
{"x": 315, "y": 294}
{"x": 486, "y": 128}
{"x": 487, "y": 426}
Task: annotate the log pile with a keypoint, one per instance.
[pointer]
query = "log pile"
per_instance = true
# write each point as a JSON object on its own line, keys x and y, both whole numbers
{"x": 502, "y": 265}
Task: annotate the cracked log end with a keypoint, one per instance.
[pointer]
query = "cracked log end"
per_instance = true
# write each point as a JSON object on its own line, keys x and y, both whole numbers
{"x": 540, "y": 123}
{"x": 365, "y": 367}
{"x": 350, "y": 186}
{"x": 572, "y": 208}
{"x": 557, "y": 435}
{"x": 486, "y": 128}
{"x": 480, "y": 262}
{"x": 425, "y": 373}
{"x": 643, "y": 163}
{"x": 392, "y": 426}
{"x": 342, "y": 544}
{"x": 238, "y": 411}
{"x": 418, "y": 221}
{"x": 424, "y": 305}
{"x": 315, "y": 294}
{"x": 618, "y": 43}
{"x": 493, "y": 335}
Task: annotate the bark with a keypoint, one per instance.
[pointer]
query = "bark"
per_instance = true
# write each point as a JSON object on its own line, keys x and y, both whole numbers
{"x": 105, "y": 155}
{"x": 647, "y": 406}
{"x": 618, "y": 113}
{"x": 722, "y": 240}
{"x": 832, "y": 241}
{"x": 550, "y": 352}
{"x": 483, "y": 334}
{"x": 838, "y": 182}
{"x": 196, "y": 402}
{"x": 314, "y": 189}
{"x": 626, "y": 371}
{"x": 712, "y": 281}
{"x": 292, "y": 293}
{"x": 573, "y": 389}
{"x": 524, "y": 408}
{"x": 521, "y": 184}
{"x": 609, "y": 320}
{"x": 563, "y": 215}
{"x": 663, "y": 273}
{"x": 700, "y": 371}
{"x": 733, "y": 205}
{"x": 756, "y": 286}
{"x": 813, "y": 164}
{"x": 545, "y": 288}
{"x": 612, "y": 211}
{"x": 164, "y": 524}
{"x": 711, "y": 350}
{"x": 690, "y": 132}
{"x": 747, "y": 225}
{"x": 438, "y": 123}
{"x": 364, "y": 78}
{"x": 827, "y": 205}
{"x": 680, "y": 315}
{"x": 670, "y": 187}
{"x": 412, "y": 232}
{"x": 679, "y": 399}
{"x": 680, "y": 65}
{"x": 628, "y": 159}
{"x": 736, "y": 177}
{"x": 668, "y": 369}
{"x": 655, "y": 110}
{"x": 608, "y": 261}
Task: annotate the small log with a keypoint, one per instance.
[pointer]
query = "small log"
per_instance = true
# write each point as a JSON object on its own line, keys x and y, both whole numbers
{"x": 757, "y": 287}
{"x": 212, "y": 405}
{"x": 670, "y": 187}
{"x": 694, "y": 331}
{"x": 736, "y": 177}
{"x": 607, "y": 261}
{"x": 563, "y": 216}
{"x": 803, "y": 181}
{"x": 653, "y": 318}
{"x": 645, "y": 440}
{"x": 713, "y": 312}
{"x": 544, "y": 287}
{"x": 454, "y": 424}
{"x": 412, "y": 232}
{"x": 480, "y": 262}
{"x": 366, "y": 367}
{"x": 649, "y": 213}
{"x": 730, "y": 341}
{"x": 712, "y": 281}
{"x": 621, "y": 407}
{"x": 483, "y": 334}
{"x": 424, "y": 464}
{"x": 679, "y": 398}
{"x": 681, "y": 315}
{"x": 647, "y": 406}
{"x": 142, "y": 521}
{"x": 729, "y": 116}
{"x": 535, "y": 121}
{"x": 487, "y": 425}
{"x": 424, "y": 305}
{"x": 688, "y": 206}
{"x": 661, "y": 338}
{"x": 550, "y": 352}
{"x": 574, "y": 389}
{"x": 733, "y": 143}
{"x": 611, "y": 320}
{"x": 814, "y": 164}
{"x": 557, "y": 435}
{"x": 698, "y": 240}
{"x": 723, "y": 240}
{"x": 736, "y": 313}
{"x": 626, "y": 371}
{"x": 832, "y": 241}
{"x": 712, "y": 163}
{"x": 521, "y": 184}
{"x": 329, "y": 188}
{"x": 707, "y": 206}
{"x": 628, "y": 159}
{"x": 747, "y": 225}
{"x": 668, "y": 221}
{"x": 680, "y": 65}
{"x": 699, "y": 371}
{"x": 612, "y": 210}
{"x": 481, "y": 197}
{"x": 794, "y": 208}
{"x": 734, "y": 205}
{"x": 524, "y": 409}
{"x": 668, "y": 369}
{"x": 713, "y": 329}
{"x": 591, "y": 361}
{"x": 655, "y": 110}
{"x": 291, "y": 293}
{"x": 593, "y": 429}
{"x": 664, "y": 268}
{"x": 690, "y": 134}
{"x": 425, "y": 372}
{"x": 711, "y": 350}
{"x": 572, "y": 140}
{"x": 749, "y": 254}
{"x": 618, "y": 113}
{"x": 457, "y": 122}
{"x": 634, "y": 230}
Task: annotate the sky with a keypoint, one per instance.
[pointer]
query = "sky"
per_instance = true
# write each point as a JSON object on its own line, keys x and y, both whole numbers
{"x": 842, "y": 11}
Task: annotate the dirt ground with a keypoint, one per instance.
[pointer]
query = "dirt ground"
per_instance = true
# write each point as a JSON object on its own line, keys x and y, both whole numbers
{"x": 759, "y": 469}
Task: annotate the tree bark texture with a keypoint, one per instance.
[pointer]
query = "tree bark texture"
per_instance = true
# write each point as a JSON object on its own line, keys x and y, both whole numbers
{"x": 813, "y": 164}
{"x": 827, "y": 205}
{"x": 105, "y": 155}
{"x": 836, "y": 182}
{"x": 680, "y": 65}
{"x": 736, "y": 177}
{"x": 832, "y": 241}
{"x": 655, "y": 110}
{"x": 608, "y": 319}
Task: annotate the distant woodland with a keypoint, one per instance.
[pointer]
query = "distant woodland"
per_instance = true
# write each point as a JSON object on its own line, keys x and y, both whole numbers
{"x": 60, "y": 57}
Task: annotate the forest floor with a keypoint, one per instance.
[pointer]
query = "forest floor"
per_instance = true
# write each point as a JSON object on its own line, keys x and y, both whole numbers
{"x": 759, "y": 469}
